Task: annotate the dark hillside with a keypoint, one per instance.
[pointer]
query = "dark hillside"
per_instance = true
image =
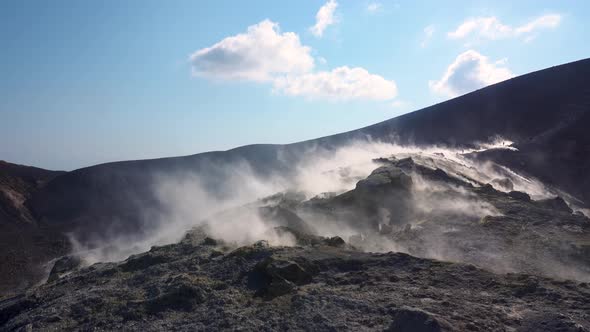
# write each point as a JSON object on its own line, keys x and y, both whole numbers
{"x": 545, "y": 113}
{"x": 25, "y": 244}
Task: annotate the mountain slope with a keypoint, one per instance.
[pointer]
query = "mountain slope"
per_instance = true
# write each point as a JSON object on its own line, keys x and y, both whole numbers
{"x": 531, "y": 110}
{"x": 327, "y": 283}
{"x": 517, "y": 109}
{"x": 25, "y": 244}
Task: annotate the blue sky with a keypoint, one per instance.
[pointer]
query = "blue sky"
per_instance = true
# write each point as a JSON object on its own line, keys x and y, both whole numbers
{"x": 87, "y": 82}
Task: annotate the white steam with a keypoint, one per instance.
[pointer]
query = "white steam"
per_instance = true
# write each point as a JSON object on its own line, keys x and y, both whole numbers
{"x": 187, "y": 203}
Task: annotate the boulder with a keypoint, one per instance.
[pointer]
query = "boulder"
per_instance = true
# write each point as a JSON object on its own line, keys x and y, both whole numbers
{"x": 407, "y": 164}
{"x": 385, "y": 177}
{"x": 488, "y": 189}
{"x": 287, "y": 270}
{"x": 556, "y": 203}
{"x": 504, "y": 184}
{"x": 519, "y": 195}
{"x": 278, "y": 287}
{"x": 275, "y": 277}
{"x": 209, "y": 241}
{"x": 335, "y": 241}
{"x": 413, "y": 320}
{"x": 63, "y": 266}
{"x": 180, "y": 296}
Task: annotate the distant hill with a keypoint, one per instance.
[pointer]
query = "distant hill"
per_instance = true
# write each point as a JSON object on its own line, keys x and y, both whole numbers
{"x": 25, "y": 244}
{"x": 17, "y": 184}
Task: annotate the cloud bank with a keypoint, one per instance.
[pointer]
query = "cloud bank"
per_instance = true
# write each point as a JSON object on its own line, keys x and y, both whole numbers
{"x": 258, "y": 55}
{"x": 491, "y": 28}
{"x": 324, "y": 18}
{"x": 341, "y": 83}
{"x": 470, "y": 71}
{"x": 265, "y": 54}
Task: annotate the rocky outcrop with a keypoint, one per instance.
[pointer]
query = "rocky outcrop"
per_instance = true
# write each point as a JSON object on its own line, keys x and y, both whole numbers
{"x": 556, "y": 203}
{"x": 413, "y": 320}
{"x": 63, "y": 266}
{"x": 384, "y": 197}
{"x": 258, "y": 287}
{"x": 17, "y": 184}
{"x": 280, "y": 277}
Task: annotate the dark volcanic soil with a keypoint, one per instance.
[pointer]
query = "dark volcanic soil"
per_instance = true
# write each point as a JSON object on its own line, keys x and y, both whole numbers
{"x": 25, "y": 243}
{"x": 199, "y": 284}
{"x": 322, "y": 283}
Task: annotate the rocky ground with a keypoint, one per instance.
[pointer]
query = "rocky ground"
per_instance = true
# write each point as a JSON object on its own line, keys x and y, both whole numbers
{"x": 427, "y": 212}
{"x": 201, "y": 284}
{"x": 483, "y": 258}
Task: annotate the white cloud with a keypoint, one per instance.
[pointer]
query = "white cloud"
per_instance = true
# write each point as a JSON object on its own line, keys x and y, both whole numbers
{"x": 264, "y": 54}
{"x": 491, "y": 27}
{"x": 546, "y": 21}
{"x": 401, "y": 104}
{"x": 258, "y": 55}
{"x": 428, "y": 32}
{"x": 324, "y": 18}
{"x": 470, "y": 71}
{"x": 373, "y": 7}
{"x": 342, "y": 83}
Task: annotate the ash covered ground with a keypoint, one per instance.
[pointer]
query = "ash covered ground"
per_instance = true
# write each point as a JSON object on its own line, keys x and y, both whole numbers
{"x": 428, "y": 240}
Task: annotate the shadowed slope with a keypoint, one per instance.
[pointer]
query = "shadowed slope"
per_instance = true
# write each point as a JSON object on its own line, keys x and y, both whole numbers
{"x": 542, "y": 112}
{"x": 24, "y": 243}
